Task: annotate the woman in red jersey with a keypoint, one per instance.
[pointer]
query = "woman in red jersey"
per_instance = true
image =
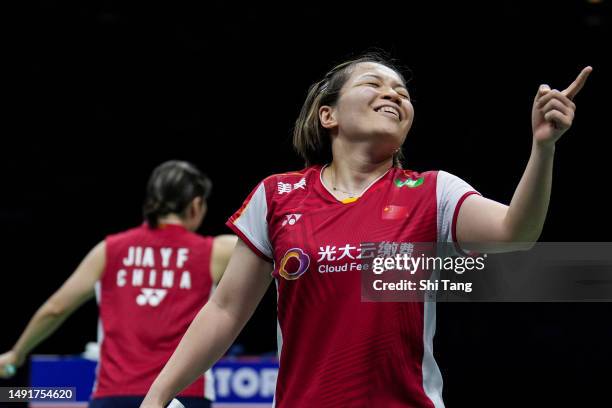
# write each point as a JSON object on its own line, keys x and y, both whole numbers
{"x": 150, "y": 282}
{"x": 317, "y": 225}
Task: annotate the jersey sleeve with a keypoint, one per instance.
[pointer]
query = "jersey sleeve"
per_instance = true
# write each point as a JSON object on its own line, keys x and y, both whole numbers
{"x": 451, "y": 191}
{"x": 250, "y": 223}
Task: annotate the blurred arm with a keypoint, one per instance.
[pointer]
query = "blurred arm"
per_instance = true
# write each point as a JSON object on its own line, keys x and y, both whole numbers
{"x": 223, "y": 246}
{"x": 73, "y": 293}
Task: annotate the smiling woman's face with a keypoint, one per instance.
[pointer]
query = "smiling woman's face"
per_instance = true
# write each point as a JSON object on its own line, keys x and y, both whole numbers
{"x": 374, "y": 104}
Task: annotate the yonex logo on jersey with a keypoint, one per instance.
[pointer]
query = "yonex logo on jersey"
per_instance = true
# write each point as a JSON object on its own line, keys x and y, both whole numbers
{"x": 293, "y": 264}
{"x": 409, "y": 182}
{"x": 151, "y": 297}
{"x": 285, "y": 188}
{"x": 291, "y": 219}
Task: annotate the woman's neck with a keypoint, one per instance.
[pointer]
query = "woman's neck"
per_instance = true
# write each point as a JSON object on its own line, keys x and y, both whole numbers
{"x": 171, "y": 219}
{"x": 351, "y": 176}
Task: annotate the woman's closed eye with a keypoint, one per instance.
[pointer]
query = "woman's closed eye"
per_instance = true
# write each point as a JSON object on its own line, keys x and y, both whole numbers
{"x": 401, "y": 91}
{"x": 403, "y": 94}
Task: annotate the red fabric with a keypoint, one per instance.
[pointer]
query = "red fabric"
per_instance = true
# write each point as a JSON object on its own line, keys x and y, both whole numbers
{"x": 338, "y": 351}
{"x": 144, "y": 320}
{"x": 454, "y": 225}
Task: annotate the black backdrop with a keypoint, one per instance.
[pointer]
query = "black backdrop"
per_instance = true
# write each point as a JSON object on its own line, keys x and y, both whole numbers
{"x": 100, "y": 92}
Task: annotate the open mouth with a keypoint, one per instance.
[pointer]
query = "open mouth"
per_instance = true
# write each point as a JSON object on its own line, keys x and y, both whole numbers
{"x": 389, "y": 111}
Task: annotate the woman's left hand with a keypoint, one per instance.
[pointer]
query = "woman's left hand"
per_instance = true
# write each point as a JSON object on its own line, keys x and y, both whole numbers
{"x": 553, "y": 110}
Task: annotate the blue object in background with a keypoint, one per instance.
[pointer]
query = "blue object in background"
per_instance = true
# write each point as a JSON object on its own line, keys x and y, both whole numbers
{"x": 239, "y": 381}
{"x": 244, "y": 379}
{"x": 64, "y": 371}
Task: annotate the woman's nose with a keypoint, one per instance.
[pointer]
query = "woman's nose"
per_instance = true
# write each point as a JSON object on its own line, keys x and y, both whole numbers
{"x": 392, "y": 95}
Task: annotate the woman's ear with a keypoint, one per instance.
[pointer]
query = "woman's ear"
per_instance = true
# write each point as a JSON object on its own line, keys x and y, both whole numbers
{"x": 327, "y": 117}
{"x": 196, "y": 206}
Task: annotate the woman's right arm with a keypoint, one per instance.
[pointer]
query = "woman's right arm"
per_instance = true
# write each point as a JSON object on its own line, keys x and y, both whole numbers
{"x": 216, "y": 326}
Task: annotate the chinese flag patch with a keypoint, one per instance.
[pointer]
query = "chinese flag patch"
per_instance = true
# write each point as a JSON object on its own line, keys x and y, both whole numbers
{"x": 394, "y": 212}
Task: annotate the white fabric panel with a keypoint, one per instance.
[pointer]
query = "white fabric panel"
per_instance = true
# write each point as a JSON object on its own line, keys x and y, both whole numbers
{"x": 449, "y": 190}
{"x": 432, "y": 378}
{"x": 253, "y": 222}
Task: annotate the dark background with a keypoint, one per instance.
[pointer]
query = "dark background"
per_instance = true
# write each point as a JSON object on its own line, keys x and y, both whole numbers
{"x": 98, "y": 93}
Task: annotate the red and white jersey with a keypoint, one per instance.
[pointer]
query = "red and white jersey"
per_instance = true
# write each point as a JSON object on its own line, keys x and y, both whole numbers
{"x": 336, "y": 351}
{"x": 155, "y": 282}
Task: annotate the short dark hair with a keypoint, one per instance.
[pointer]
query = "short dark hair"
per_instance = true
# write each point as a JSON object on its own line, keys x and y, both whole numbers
{"x": 311, "y": 140}
{"x": 171, "y": 188}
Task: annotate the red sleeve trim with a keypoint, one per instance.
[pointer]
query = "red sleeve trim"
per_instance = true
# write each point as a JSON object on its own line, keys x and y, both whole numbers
{"x": 454, "y": 222}
{"x": 247, "y": 241}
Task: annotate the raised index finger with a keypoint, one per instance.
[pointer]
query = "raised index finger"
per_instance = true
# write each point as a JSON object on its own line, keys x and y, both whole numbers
{"x": 578, "y": 83}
